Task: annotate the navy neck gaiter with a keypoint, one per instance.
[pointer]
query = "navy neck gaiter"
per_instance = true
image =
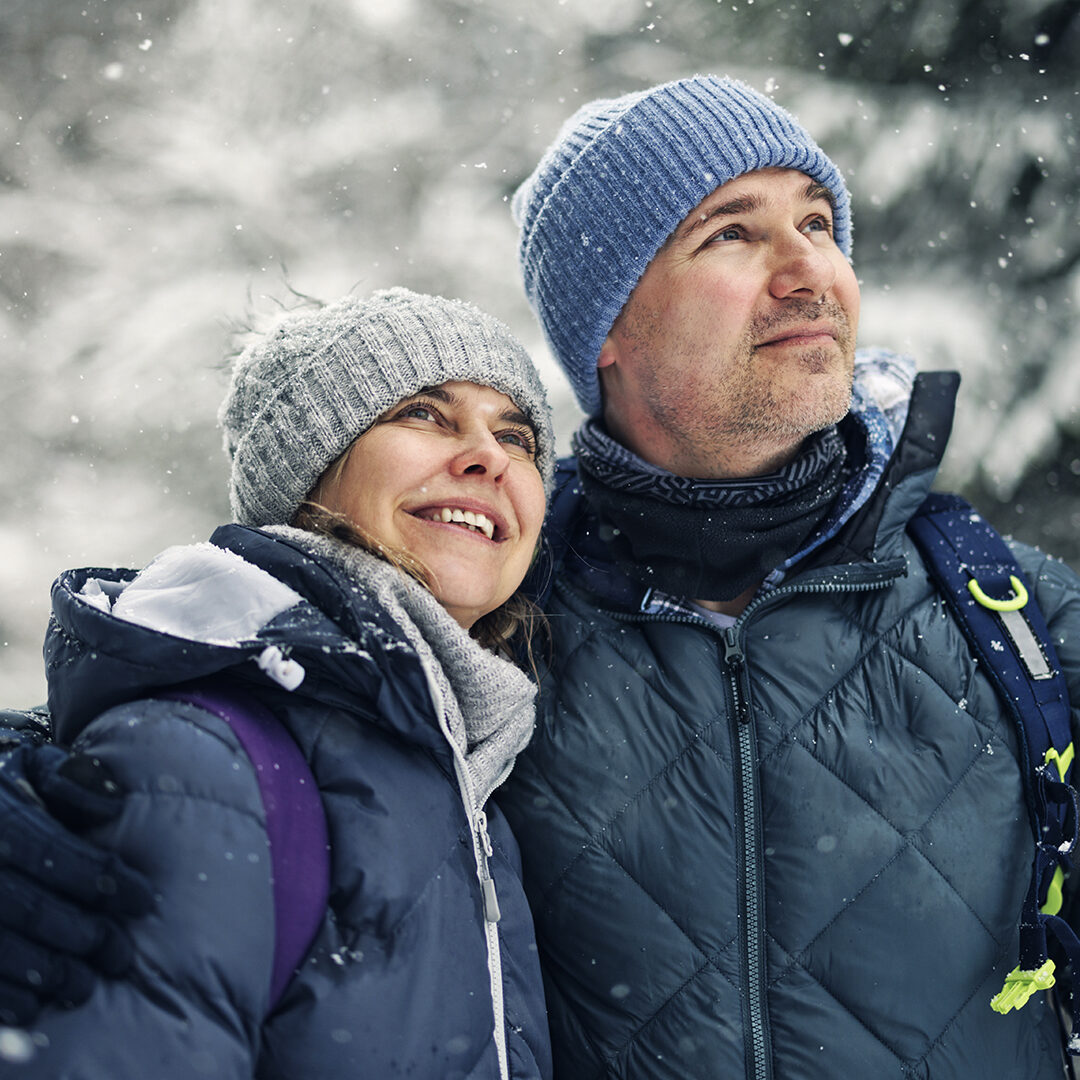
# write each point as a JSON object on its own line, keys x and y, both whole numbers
{"x": 706, "y": 539}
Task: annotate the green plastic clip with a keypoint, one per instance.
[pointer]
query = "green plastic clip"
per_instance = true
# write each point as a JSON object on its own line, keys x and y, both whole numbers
{"x": 1062, "y": 761}
{"x": 1020, "y": 985}
{"x": 1020, "y": 595}
{"x": 1055, "y": 897}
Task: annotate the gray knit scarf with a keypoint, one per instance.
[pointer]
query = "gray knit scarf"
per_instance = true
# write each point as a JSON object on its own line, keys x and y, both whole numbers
{"x": 487, "y": 701}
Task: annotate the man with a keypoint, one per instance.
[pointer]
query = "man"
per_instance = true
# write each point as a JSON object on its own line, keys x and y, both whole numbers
{"x": 772, "y": 818}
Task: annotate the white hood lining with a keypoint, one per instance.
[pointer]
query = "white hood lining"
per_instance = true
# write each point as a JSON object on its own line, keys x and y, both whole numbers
{"x": 198, "y": 592}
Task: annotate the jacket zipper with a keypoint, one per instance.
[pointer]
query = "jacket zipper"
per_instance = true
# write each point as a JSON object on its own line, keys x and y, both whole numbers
{"x": 482, "y": 850}
{"x": 758, "y": 1039}
{"x": 482, "y": 847}
{"x": 751, "y": 883}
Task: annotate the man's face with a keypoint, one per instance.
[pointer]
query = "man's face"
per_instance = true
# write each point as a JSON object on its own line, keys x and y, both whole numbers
{"x": 739, "y": 339}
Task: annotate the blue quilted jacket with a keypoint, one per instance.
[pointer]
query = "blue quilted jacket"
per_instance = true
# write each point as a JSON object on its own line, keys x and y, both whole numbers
{"x": 397, "y": 982}
{"x": 793, "y": 848}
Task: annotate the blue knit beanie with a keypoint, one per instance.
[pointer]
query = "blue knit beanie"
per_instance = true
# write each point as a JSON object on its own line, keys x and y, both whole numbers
{"x": 620, "y": 176}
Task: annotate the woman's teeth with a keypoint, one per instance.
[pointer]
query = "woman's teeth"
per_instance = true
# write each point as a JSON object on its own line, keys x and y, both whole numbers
{"x": 464, "y": 517}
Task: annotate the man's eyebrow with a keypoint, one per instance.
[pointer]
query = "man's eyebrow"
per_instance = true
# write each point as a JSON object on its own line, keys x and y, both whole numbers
{"x": 439, "y": 393}
{"x": 814, "y": 191}
{"x": 747, "y": 204}
{"x": 741, "y": 204}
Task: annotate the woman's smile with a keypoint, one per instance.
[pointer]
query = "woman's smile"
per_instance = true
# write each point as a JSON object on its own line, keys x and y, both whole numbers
{"x": 449, "y": 478}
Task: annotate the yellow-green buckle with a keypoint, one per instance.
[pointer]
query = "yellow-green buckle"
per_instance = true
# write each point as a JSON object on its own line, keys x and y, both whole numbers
{"x": 1019, "y": 598}
{"x": 1062, "y": 761}
{"x": 1020, "y": 985}
{"x": 1054, "y": 896}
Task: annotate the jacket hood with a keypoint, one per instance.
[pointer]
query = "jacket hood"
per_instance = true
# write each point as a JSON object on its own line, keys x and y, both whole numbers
{"x": 247, "y": 605}
{"x": 873, "y": 530}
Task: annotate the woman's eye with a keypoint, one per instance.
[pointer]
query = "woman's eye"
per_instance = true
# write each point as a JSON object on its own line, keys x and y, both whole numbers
{"x": 524, "y": 440}
{"x": 418, "y": 411}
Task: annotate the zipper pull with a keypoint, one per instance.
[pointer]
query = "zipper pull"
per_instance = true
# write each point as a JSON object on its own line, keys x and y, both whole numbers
{"x": 735, "y": 658}
{"x": 733, "y": 653}
{"x": 487, "y": 884}
{"x": 491, "y": 902}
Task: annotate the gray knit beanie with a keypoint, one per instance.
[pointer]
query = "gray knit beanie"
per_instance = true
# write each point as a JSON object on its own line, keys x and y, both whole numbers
{"x": 318, "y": 379}
{"x": 619, "y": 177}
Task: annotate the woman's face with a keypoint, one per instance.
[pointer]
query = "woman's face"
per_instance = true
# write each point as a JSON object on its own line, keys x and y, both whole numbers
{"x": 448, "y": 476}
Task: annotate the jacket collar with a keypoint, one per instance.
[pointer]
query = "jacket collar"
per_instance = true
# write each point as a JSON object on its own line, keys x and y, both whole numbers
{"x": 866, "y": 525}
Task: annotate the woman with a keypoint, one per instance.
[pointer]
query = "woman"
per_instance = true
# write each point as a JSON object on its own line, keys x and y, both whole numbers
{"x": 389, "y": 464}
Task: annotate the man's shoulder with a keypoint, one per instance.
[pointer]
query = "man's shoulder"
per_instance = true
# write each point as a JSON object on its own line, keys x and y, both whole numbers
{"x": 566, "y": 507}
{"x": 152, "y": 738}
{"x": 1056, "y": 583}
{"x": 566, "y": 497}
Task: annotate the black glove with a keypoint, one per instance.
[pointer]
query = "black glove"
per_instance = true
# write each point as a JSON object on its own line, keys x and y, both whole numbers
{"x": 62, "y": 900}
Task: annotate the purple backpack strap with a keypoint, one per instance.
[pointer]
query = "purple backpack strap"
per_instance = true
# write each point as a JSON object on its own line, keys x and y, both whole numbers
{"x": 295, "y": 822}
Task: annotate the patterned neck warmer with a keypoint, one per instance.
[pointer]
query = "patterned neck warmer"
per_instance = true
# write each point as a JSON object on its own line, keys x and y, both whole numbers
{"x": 707, "y": 539}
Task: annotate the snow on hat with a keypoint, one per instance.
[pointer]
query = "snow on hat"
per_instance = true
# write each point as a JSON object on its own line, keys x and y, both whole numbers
{"x": 619, "y": 177}
{"x": 317, "y": 380}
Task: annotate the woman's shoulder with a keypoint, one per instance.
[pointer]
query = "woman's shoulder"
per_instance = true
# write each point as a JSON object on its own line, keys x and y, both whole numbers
{"x": 164, "y": 749}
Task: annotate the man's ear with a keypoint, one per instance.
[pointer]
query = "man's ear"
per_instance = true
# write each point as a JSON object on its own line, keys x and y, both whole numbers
{"x": 607, "y": 353}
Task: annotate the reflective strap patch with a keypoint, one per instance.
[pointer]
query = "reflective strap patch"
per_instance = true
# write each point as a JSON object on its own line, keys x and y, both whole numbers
{"x": 1027, "y": 645}
{"x": 1016, "y": 626}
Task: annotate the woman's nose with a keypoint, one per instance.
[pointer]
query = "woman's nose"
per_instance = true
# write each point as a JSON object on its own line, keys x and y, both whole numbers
{"x": 481, "y": 454}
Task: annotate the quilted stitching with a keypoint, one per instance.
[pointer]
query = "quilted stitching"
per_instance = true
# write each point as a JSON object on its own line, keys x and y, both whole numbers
{"x": 606, "y": 829}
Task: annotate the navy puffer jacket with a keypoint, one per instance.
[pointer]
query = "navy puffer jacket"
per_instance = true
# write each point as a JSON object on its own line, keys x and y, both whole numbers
{"x": 397, "y": 981}
{"x": 794, "y": 848}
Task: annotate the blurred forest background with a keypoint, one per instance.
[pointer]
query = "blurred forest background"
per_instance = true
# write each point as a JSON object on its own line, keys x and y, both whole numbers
{"x": 170, "y": 169}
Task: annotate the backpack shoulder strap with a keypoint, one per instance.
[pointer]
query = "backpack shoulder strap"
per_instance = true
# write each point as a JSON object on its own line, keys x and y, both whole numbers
{"x": 295, "y": 822}
{"x": 981, "y": 581}
{"x": 982, "y": 584}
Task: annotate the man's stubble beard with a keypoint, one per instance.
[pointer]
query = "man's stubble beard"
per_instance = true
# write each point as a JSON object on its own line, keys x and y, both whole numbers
{"x": 746, "y": 408}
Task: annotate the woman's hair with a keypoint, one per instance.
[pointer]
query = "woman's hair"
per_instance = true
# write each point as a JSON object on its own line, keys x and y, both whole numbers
{"x": 509, "y": 630}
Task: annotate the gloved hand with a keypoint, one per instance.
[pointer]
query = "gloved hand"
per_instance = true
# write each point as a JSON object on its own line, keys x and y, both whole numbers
{"x": 62, "y": 900}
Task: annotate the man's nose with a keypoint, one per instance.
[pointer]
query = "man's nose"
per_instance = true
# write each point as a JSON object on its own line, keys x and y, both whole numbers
{"x": 800, "y": 269}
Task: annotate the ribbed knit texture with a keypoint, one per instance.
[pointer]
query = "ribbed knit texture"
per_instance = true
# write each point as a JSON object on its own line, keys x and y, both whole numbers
{"x": 619, "y": 177}
{"x": 319, "y": 379}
